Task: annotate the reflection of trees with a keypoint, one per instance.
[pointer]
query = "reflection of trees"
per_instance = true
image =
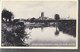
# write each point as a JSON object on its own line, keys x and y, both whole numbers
{"x": 57, "y": 32}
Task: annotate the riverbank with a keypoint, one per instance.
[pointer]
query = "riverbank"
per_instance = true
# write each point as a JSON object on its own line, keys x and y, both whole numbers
{"x": 68, "y": 27}
{"x": 12, "y": 34}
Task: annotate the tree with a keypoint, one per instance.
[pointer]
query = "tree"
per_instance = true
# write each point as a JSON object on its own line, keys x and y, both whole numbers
{"x": 57, "y": 17}
{"x": 32, "y": 19}
{"x": 7, "y": 15}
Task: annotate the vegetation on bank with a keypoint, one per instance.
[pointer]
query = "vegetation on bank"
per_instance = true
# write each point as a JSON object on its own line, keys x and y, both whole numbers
{"x": 13, "y": 34}
{"x": 68, "y": 27}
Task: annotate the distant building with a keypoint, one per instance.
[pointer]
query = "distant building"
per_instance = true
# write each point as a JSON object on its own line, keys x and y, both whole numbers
{"x": 42, "y": 14}
{"x": 42, "y": 17}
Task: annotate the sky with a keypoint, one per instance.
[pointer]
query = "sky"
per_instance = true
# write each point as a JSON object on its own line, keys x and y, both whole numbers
{"x": 29, "y": 9}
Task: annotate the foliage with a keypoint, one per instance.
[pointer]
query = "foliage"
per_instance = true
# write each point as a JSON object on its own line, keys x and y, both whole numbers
{"x": 12, "y": 35}
{"x": 57, "y": 17}
{"x": 32, "y": 19}
{"x": 7, "y": 15}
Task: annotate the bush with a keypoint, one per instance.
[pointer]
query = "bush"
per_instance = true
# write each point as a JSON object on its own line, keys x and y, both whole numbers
{"x": 12, "y": 35}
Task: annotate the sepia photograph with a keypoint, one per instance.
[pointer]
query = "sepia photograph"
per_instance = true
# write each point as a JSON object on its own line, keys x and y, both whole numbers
{"x": 39, "y": 24}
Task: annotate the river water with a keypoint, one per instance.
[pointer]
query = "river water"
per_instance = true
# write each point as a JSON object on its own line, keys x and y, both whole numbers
{"x": 46, "y": 37}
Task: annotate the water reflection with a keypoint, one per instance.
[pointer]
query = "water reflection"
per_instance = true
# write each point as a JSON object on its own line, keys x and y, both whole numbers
{"x": 46, "y": 37}
{"x": 42, "y": 28}
{"x": 51, "y": 33}
{"x": 57, "y": 32}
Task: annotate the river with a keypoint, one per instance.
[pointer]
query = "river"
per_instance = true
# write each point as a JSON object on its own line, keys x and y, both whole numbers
{"x": 46, "y": 37}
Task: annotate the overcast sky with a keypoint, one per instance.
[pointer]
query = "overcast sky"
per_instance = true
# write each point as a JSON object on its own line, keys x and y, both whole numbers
{"x": 29, "y": 9}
